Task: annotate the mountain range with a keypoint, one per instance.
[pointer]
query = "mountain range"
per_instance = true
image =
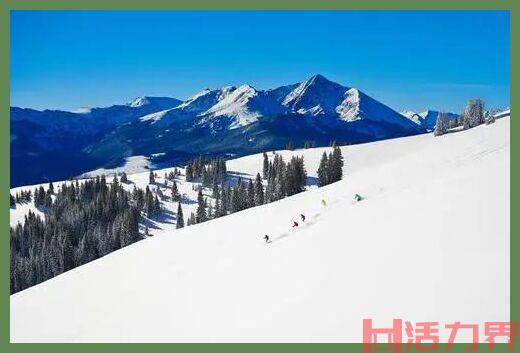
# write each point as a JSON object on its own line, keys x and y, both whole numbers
{"x": 428, "y": 118}
{"x": 53, "y": 144}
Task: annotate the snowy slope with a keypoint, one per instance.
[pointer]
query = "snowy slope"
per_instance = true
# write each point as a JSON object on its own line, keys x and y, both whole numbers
{"x": 429, "y": 243}
{"x": 132, "y": 165}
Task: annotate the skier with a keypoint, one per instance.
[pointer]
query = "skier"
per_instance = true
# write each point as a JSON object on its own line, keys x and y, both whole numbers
{"x": 266, "y": 237}
{"x": 358, "y": 197}
{"x": 302, "y": 217}
{"x": 295, "y": 224}
{"x": 323, "y": 203}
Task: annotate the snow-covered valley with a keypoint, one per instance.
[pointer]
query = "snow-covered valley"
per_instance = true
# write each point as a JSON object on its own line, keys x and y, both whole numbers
{"x": 429, "y": 242}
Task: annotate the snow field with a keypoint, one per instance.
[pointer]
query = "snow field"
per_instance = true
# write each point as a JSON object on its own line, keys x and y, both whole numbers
{"x": 430, "y": 242}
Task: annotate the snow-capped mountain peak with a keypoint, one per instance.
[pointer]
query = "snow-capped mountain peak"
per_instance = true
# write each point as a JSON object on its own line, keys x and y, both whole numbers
{"x": 232, "y": 99}
{"x": 413, "y": 116}
{"x": 139, "y": 102}
{"x": 425, "y": 113}
{"x": 153, "y": 103}
{"x": 315, "y": 96}
{"x": 210, "y": 105}
{"x": 235, "y": 103}
{"x": 356, "y": 105}
{"x": 201, "y": 101}
{"x": 231, "y": 107}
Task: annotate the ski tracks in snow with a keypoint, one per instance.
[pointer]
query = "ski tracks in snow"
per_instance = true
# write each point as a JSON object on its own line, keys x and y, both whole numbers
{"x": 314, "y": 216}
{"x": 311, "y": 219}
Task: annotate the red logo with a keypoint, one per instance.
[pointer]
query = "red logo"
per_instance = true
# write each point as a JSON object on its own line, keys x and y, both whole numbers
{"x": 424, "y": 336}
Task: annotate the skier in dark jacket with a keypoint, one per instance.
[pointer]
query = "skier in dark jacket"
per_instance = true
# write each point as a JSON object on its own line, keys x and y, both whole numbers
{"x": 266, "y": 237}
{"x": 302, "y": 217}
{"x": 295, "y": 224}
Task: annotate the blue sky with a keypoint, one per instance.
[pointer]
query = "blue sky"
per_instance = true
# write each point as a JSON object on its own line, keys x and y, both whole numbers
{"x": 407, "y": 60}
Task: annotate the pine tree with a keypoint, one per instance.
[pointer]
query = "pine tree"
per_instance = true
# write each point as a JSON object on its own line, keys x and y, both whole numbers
{"x": 51, "y": 188}
{"x": 115, "y": 182}
{"x": 224, "y": 204}
{"x": 294, "y": 177}
{"x": 265, "y": 169}
{"x": 323, "y": 170}
{"x": 180, "y": 217}
{"x": 250, "y": 194}
{"x": 175, "y": 192}
{"x": 290, "y": 146}
{"x": 158, "y": 192}
{"x": 211, "y": 212}
{"x": 48, "y": 201}
{"x": 259, "y": 191}
{"x": 201, "y": 209}
{"x": 238, "y": 197}
{"x": 336, "y": 172}
{"x": 466, "y": 121}
{"x": 189, "y": 173}
{"x": 277, "y": 178}
{"x": 139, "y": 198}
{"x": 124, "y": 178}
{"x": 478, "y": 112}
{"x": 330, "y": 169}
{"x": 192, "y": 220}
{"x": 440, "y": 125}
{"x": 473, "y": 114}
{"x": 215, "y": 190}
{"x": 149, "y": 203}
{"x": 151, "y": 177}
{"x": 156, "y": 204}
{"x": 491, "y": 119}
{"x": 39, "y": 197}
{"x": 12, "y": 202}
